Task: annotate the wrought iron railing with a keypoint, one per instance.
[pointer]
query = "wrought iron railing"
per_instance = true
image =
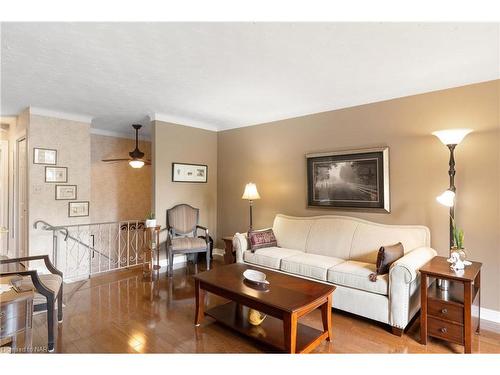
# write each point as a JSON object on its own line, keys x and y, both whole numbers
{"x": 83, "y": 250}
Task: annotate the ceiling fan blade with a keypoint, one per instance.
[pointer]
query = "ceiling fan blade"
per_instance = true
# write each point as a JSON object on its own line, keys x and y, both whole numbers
{"x": 110, "y": 160}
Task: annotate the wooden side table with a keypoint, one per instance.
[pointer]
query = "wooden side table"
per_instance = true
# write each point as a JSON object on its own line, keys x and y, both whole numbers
{"x": 447, "y": 314}
{"x": 16, "y": 315}
{"x": 229, "y": 255}
{"x": 151, "y": 246}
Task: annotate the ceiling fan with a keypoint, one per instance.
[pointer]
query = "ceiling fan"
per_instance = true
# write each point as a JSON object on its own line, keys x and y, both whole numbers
{"x": 136, "y": 159}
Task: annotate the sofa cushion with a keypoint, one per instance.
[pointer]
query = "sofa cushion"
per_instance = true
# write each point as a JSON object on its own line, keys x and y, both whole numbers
{"x": 331, "y": 236}
{"x": 291, "y": 232}
{"x": 309, "y": 265}
{"x": 355, "y": 275}
{"x": 269, "y": 256}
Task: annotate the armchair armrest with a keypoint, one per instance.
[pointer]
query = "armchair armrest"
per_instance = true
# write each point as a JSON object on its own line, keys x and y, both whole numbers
{"x": 37, "y": 283}
{"x": 207, "y": 239}
{"x": 45, "y": 258}
{"x": 404, "y": 285}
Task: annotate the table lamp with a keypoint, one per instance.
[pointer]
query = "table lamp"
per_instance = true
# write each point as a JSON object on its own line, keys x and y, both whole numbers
{"x": 250, "y": 194}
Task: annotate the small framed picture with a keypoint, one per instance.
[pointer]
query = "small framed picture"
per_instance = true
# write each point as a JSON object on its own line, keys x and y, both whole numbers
{"x": 65, "y": 192}
{"x": 78, "y": 209}
{"x": 44, "y": 156}
{"x": 56, "y": 174}
{"x": 183, "y": 172}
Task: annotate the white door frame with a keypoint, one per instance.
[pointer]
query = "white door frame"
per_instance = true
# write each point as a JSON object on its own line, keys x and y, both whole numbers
{"x": 16, "y": 220}
{"x": 4, "y": 195}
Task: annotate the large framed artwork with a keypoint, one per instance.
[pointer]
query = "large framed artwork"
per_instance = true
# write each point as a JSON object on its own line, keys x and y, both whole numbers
{"x": 183, "y": 172}
{"x": 357, "y": 179}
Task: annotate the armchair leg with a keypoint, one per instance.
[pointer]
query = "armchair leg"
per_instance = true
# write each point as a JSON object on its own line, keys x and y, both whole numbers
{"x": 50, "y": 323}
{"x": 208, "y": 259}
{"x": 60, "y": 305}
{"x": 170, "y": 263}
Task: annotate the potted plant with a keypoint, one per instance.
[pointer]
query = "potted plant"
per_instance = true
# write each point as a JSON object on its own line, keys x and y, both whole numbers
{"x": 150, "y": 220}
{"x": 458, "y": 241}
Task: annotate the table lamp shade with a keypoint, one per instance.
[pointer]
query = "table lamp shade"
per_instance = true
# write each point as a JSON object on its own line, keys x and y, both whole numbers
{"x": 250, "y": 192}
{"x": 451, "y": 136}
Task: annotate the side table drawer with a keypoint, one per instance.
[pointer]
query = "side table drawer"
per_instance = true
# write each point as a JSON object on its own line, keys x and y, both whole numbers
{"x": 445, "y": 310}
{"x": 445, "y": 330}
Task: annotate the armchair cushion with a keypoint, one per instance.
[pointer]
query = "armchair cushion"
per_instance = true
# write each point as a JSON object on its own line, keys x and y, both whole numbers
{"x": 50, "y": 281}
{"x": 188, "y": 243}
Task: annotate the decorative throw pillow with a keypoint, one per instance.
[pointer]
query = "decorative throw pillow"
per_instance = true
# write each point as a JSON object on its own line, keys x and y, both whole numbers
{"x": 261, "y": 238}
{"x": 386, "y": 256}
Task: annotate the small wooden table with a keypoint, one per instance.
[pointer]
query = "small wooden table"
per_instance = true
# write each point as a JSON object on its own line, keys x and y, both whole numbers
{"x": 447, "y": 314}
{"x": 286, "y": 300}
{"x": 229, "y": 256}
{"x": 16, "y": 315}
{"x": 151, "y": 246}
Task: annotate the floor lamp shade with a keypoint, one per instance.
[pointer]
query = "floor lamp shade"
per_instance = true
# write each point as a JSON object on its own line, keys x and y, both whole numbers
{"x": 250, "y": 194}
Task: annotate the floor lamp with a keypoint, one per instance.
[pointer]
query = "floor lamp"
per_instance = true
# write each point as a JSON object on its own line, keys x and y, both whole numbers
{"x": 250, "y": 194}
{"x": 450, "y": 138}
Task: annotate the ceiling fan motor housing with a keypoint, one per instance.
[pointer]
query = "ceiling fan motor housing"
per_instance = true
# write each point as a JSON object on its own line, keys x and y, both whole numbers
{"x": 136, "y": 154}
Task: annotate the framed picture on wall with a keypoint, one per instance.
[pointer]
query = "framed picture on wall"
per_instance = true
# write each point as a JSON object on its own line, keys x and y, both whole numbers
{"x": 65, "y": 192}
{"x": 357, "y": 179}
{"x": 78, "y": 209}
{"x": 56, "y": 174}
{"x": 183, "y": 172}
{"x": 44, "y": 156}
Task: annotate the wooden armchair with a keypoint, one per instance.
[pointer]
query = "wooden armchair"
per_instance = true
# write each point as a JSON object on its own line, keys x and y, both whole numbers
{"x": 182, "y": 226}
{"x": 49, "y": 286}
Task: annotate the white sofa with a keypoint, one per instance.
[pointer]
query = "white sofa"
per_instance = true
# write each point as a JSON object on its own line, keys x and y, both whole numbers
{"x": 343, "y": 250}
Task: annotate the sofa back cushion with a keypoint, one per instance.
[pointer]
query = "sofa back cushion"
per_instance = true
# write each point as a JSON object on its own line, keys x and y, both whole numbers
{"x": 369, "y": 237}
{"x": 291, "y": 232}
{"x": 331, "y": 236}
{"x": 345, "y": 237}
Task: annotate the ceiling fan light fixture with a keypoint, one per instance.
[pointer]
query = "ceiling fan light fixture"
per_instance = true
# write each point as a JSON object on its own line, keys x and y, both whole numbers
{"x": 136, "y": 163}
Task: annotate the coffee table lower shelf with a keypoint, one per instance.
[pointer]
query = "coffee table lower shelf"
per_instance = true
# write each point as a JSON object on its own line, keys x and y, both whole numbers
{"x": 269, "y": 332}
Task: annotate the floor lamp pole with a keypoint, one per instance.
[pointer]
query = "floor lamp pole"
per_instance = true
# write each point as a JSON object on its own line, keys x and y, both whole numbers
{"x": 451, "y": 173}
{"x": 251, "y": 224}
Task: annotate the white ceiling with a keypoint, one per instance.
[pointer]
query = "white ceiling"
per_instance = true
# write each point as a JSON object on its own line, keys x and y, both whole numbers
{"x": 226, "y": 75}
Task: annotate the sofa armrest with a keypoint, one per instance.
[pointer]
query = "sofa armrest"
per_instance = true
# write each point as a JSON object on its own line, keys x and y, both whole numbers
{"x": 404, "y": 285}
{"x": 240, "y": 244}
{"x": 405, "y": 269}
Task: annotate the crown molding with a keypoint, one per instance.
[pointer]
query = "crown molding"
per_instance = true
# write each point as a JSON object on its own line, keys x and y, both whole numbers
{"x": 178, "y": 120}
{"x": 111, "y": 133}
{"x": 60, "y": 115}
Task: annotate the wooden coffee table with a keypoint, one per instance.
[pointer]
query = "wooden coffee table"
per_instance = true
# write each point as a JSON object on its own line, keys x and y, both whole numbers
{"x": 286, "y": 300}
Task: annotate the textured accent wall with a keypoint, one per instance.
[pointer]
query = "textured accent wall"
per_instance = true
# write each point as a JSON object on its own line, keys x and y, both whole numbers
{"x": 118, "y": 192}
{"x": 71, "y": 139}
{"x": 176, "y": 143}
{"x": 273, "y": 156}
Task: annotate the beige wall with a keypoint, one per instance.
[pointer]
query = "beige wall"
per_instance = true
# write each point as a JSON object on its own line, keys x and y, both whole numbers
{"x": 71, "y": 139}
{"x": 176, "y": 143}
{"x": 273, "y": 156}
{"x": 118, "y": 191}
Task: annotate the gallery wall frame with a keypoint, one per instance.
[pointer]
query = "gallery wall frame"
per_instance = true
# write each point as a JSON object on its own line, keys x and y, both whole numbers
{"x": 66, "y": 192}
{"x": 44, "y": 156}
{"x": 78, "y": 208}
{"x": 56, "y": 174}
{"x": 356, "y": 179}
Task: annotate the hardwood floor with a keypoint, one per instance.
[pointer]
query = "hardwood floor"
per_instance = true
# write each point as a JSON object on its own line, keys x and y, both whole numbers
{"x": 121, "y": 313}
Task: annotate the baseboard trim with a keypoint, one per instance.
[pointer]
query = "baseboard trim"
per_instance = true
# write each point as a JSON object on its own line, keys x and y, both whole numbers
{"x": 488, "y": 314}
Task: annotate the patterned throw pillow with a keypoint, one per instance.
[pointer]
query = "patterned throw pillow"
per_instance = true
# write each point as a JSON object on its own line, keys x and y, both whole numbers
{"x": 386, "y": 256}
{"x": 261, "y": 238}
